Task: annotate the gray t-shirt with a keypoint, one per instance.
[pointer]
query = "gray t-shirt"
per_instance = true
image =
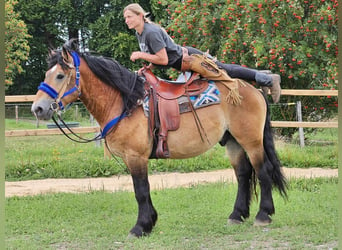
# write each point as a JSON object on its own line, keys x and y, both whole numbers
{"x": 154, "y": 38}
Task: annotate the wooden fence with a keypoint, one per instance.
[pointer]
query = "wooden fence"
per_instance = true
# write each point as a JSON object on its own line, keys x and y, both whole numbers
{"x": 80, "y": 130}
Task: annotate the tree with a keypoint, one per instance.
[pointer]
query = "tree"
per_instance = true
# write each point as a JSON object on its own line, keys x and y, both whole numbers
{"x": 50, "y": 23}
{"x": 16, "y": 43}
{"x": 297, "y": 39}
{"x": 76, "y": 17}
{"x": 39, "y": 16}
{"x": 111, "y": 37}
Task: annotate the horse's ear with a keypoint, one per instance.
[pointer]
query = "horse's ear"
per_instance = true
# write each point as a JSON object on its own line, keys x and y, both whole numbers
{"x": 73, "y": 44}
{"x": 67, "y": 58}
{"x": 51, "y": 52}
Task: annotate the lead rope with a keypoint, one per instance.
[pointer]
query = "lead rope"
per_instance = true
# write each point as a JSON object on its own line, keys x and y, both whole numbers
{"x": 114, "y": 156}
{"x": 85, "y": 140}
{"x": 81, "y": 139}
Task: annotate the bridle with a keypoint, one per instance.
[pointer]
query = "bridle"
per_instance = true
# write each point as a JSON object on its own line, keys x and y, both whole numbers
{"x": 58, "y": 96}
{"x": 57, "y": 105}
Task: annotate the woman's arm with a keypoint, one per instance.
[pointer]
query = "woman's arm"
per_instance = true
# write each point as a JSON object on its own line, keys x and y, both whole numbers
{"x": 159, "y": 58}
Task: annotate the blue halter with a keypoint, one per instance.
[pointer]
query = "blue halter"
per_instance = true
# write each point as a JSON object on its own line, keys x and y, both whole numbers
{"x": 54, "y": 95}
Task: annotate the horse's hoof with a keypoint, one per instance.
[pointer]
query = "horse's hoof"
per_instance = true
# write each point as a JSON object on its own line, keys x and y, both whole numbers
{"x": 132, "y": 236}
{"x": 234, "y": 222}
{"x": 260, "y": 223}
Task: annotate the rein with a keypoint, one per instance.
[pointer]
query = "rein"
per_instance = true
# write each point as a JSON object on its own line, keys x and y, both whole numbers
{"x": 84, "y": 140}
{"x": 80, "y": 139}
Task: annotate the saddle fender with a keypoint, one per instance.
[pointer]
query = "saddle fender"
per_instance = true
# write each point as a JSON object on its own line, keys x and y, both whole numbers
{"x": 164, "y": 109}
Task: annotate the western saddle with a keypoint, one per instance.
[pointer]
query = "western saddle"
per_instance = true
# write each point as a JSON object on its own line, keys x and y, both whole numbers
{"x": 164, "y": 114}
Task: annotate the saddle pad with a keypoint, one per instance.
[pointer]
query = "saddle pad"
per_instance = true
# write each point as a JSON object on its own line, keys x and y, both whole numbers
{"x": 208, "y": 97}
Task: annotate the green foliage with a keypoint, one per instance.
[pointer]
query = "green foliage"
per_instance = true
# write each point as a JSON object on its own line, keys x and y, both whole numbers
{"x": 296, "y": 39}
{"x": 14, "y": 125}
{"x": 40, "y": 17}
{"x": 111, "y": 37}
{"x": 321, "y": 149}
{"x": 309, "y": 156}
{"x": 50, "y": 23}
{"x": 16, "y": 42}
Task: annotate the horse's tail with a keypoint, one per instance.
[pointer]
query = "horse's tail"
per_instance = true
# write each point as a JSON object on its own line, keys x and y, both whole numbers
{"x": 274, "y": 168}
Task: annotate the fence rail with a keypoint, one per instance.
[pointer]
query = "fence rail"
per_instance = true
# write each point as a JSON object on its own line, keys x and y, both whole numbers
{"x": 287, "y": 124}
{"x": 306, "y": 92}
{"x": 290, "y": 92}
{"x": 19, "y": 98}
{"x": 53, "y": 131}
{"x": 81, "y": 130}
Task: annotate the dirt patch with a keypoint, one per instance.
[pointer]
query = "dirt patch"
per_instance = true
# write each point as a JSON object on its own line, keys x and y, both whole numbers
{"x": 157, "y": 181}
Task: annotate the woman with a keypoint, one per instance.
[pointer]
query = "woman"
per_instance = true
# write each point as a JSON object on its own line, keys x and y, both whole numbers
{"x": 158, "y": 48}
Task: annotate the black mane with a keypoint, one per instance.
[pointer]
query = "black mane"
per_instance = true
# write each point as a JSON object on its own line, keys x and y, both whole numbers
{"x": 111, "y": 73}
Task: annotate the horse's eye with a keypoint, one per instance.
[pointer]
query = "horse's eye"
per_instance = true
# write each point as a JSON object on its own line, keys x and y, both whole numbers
{"x": 60, "y": 76}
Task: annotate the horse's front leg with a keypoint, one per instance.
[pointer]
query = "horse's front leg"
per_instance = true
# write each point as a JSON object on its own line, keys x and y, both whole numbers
{"x": 147, "y": 215}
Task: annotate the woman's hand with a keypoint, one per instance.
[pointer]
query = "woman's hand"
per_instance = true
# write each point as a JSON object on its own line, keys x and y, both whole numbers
{"x": 141, "y": 70}
{"x": 159, "y": 58}
{"x": 135, "y": 56}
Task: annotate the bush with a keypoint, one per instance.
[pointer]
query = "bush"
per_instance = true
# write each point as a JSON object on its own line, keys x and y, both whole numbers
{"x": 297, "y": 39}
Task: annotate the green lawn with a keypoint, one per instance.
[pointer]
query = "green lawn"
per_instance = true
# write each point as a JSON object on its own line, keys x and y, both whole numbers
{"x": 189, "y": 218}
{"x": 38, "y": 157}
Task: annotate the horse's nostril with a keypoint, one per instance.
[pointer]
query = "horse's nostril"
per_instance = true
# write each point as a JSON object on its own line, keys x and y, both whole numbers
{"x": 37, "y": 110}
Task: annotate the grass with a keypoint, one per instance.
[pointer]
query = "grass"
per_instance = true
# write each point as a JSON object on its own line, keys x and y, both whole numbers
{"x": 62, "y": 158}
{"x": 189, "y": 218}
{"x": 11, "y": 124}
{"x": 321, "y": 150}
{"x": 57, "y": 157}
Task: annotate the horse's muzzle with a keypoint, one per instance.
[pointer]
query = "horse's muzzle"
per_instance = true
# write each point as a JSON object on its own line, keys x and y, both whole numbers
{"x": 42, "y": 109}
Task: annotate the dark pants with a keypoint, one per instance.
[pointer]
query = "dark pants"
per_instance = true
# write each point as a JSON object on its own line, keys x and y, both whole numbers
{"x": 233, "y": 70}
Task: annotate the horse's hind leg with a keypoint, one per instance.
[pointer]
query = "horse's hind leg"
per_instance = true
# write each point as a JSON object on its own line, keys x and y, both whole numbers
{"x": 243, "y": 172}
{"x": 246, "y": 178}
{"x": 266, "y": 208}
{"x": 263, "y": 171}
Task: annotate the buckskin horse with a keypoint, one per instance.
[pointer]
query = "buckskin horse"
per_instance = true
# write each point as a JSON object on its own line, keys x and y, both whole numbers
{"x": 113, "y": 94}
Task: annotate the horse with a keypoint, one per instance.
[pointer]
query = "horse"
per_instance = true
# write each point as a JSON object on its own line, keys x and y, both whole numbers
{"x": 113, "y": 94}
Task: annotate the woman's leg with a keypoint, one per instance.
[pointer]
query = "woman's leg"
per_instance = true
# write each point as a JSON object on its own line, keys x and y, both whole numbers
{"x": 237, "y": 71}
{"x": 265, "y": 80}
{"x": 270, "y": 81}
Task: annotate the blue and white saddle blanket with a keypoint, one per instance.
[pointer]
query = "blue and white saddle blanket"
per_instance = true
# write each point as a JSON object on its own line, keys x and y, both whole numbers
{"x": 208, "y": 97}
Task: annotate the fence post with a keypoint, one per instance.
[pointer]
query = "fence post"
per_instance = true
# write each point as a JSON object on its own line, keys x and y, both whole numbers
{"x": 16, "y": 114}
{"x": 98, "y": 141}
{"x": 300, "y": 119}
{"x": 106, "y": 153}
{"x": 76, "y": 112}
{"x": 91, "y": 119}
